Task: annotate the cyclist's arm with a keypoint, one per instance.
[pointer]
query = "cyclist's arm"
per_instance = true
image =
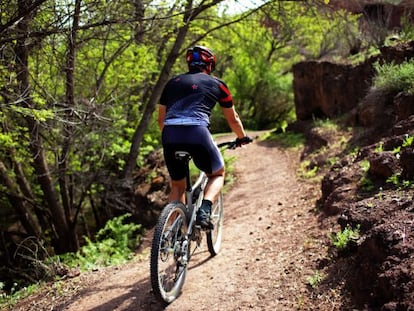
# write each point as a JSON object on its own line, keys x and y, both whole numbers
{"x": 234, "y": 121}
{"x": 162, "y": 109}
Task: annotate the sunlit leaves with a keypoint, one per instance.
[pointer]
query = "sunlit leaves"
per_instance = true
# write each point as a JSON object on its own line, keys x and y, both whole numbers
{"x": 40, "y": 115}
{"x": 7, "y": 141}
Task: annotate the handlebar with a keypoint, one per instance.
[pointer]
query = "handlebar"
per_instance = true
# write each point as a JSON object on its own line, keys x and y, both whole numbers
{"x": 238, "y": 142}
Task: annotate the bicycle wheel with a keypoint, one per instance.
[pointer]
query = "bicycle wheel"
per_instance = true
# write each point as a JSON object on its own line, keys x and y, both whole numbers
{"x": 169, "y": 253}
{"x": 214, "y": 236}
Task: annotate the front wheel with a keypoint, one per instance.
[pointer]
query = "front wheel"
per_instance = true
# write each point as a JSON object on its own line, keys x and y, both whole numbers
{"x": 217, "y": 218}
{"x": 169, "y": 253}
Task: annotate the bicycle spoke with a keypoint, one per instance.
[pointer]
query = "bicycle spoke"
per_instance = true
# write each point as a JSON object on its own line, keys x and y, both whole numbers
{"x": 169, "y": 253}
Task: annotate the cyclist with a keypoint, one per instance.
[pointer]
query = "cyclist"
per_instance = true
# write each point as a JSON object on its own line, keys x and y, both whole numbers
{"x": 184, "y": 118}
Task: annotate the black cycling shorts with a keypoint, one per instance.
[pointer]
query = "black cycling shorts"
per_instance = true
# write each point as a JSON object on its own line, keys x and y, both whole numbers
{"x": 194, "y": 139}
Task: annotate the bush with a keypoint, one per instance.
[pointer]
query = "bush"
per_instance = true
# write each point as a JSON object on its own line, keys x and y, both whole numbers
{"x": 342, "y": 240}
{"x": 395, "y": 78}
{"x": 114, "y": 244}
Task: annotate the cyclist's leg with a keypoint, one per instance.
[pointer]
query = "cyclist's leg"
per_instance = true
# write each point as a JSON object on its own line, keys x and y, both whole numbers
{"x": 211, "y": 192}
{"x": 176, "y": 168}
{"x": 214, "y": 185}
{"x": 177, "y": 192}
{"x": 209, "y": 159}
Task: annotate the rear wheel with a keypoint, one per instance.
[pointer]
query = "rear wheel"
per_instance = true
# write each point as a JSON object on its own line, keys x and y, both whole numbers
{"x": 169, "y": 253}
{"x": 217, "y": 218}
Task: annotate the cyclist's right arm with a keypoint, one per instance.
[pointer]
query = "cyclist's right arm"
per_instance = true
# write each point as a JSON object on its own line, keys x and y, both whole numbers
{"x": 233, "y": 120}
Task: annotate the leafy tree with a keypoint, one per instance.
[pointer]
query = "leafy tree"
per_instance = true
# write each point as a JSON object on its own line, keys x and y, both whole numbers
{"x": 256, "y": 64}
{"x": 64, "y": 121}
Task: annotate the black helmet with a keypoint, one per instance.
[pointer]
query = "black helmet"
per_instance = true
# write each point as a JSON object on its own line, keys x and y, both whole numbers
{"x": 201, "y": 56}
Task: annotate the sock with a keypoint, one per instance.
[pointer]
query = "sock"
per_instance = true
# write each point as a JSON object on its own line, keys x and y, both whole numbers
{"x": 207, "y": 203}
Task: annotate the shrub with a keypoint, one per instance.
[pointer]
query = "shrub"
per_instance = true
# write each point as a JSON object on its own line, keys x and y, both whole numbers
{"x": 114, "y": 244}
{"x": 395, "y": 78}
{"x": 342, "y": 240}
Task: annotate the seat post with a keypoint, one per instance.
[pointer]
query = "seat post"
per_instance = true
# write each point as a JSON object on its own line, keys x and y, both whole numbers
{"x": 185, "y": 157}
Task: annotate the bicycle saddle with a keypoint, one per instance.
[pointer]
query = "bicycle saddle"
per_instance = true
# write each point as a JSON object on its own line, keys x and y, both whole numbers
{"x": 182, "y": 155}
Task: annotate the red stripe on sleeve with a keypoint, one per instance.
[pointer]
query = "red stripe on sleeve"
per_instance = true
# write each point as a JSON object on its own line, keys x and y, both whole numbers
{"x": 228, "y": 100}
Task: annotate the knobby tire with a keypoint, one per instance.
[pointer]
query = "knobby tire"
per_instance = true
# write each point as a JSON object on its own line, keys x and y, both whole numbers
{"x": 217, "y": 217}
{"x": 168, "y": 267}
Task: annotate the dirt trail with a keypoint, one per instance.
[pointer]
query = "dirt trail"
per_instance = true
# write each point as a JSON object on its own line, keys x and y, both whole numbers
{"x": 272, "y": 241}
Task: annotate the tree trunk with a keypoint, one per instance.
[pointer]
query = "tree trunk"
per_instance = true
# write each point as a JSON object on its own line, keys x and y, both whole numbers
{"x": 65, "y": 192}
{"x": 61, "y": 238}
{"x": 19, "y": 204}
{"x": 26, "y": 190}
{"x": 156, "y": 92}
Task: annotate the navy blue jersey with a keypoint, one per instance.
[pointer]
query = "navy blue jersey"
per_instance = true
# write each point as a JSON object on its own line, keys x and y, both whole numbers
{"x": 190, "y": 98}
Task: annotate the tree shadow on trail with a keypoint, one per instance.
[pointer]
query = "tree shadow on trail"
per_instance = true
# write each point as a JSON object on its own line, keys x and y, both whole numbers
{"x": 133, "y": 297}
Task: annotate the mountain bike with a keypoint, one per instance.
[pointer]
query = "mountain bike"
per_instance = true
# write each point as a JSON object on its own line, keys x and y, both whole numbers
{"x": 176, "y": 235}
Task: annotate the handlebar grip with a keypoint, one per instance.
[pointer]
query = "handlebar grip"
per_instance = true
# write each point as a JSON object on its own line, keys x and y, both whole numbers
{"x": 238, "y": 142}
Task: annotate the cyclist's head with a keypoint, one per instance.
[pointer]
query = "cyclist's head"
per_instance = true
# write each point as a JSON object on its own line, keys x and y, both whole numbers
{"x": 201, "y": 58}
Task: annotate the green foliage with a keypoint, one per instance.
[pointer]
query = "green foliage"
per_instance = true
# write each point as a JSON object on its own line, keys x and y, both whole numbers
{"x": 256, "y": 65}
{"x": 407, "y": 29}
{"x": 395, "y": 179}
{"x": 229, "y": 176}
{"x": 114, "y": 244}
{"x": 8, "y": 301}
{"x": 408, "y": 141}
{"x": 395, "y": 77}
{"x": 365, "y": 165}
{"x": 341, "y": 240}
{"x": 366, "y": 184}
{"x": 307, "y": 170}
{"x": 289, "y": 140}
{"x": 365, "y": 54}
{"x": 354, "y": 152}
{"x": 331, "y": 161}
{"x": 151, "y": 141}
{"x": 398, "y": 182}
{"x": 326, "y": 34}
{"x": 380, "y": 147}
{"x": 315, "y": 279}
{"x": 327, "y": 124}
{"x": 396, "y": 150}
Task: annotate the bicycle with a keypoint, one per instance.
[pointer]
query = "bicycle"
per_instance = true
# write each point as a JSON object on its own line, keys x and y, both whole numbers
{"x": 175, "y": 231}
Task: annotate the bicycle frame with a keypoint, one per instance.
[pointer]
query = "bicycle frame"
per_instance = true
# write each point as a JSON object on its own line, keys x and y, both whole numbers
{"x": 201, "y": 182}
{"x": 192, "y": 207}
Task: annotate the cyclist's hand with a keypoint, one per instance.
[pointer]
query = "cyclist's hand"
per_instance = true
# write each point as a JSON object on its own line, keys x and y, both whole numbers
{"x": 243, "y": 141}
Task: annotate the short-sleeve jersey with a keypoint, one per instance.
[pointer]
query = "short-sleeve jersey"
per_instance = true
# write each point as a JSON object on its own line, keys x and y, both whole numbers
{"x": 191, "y": 97}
